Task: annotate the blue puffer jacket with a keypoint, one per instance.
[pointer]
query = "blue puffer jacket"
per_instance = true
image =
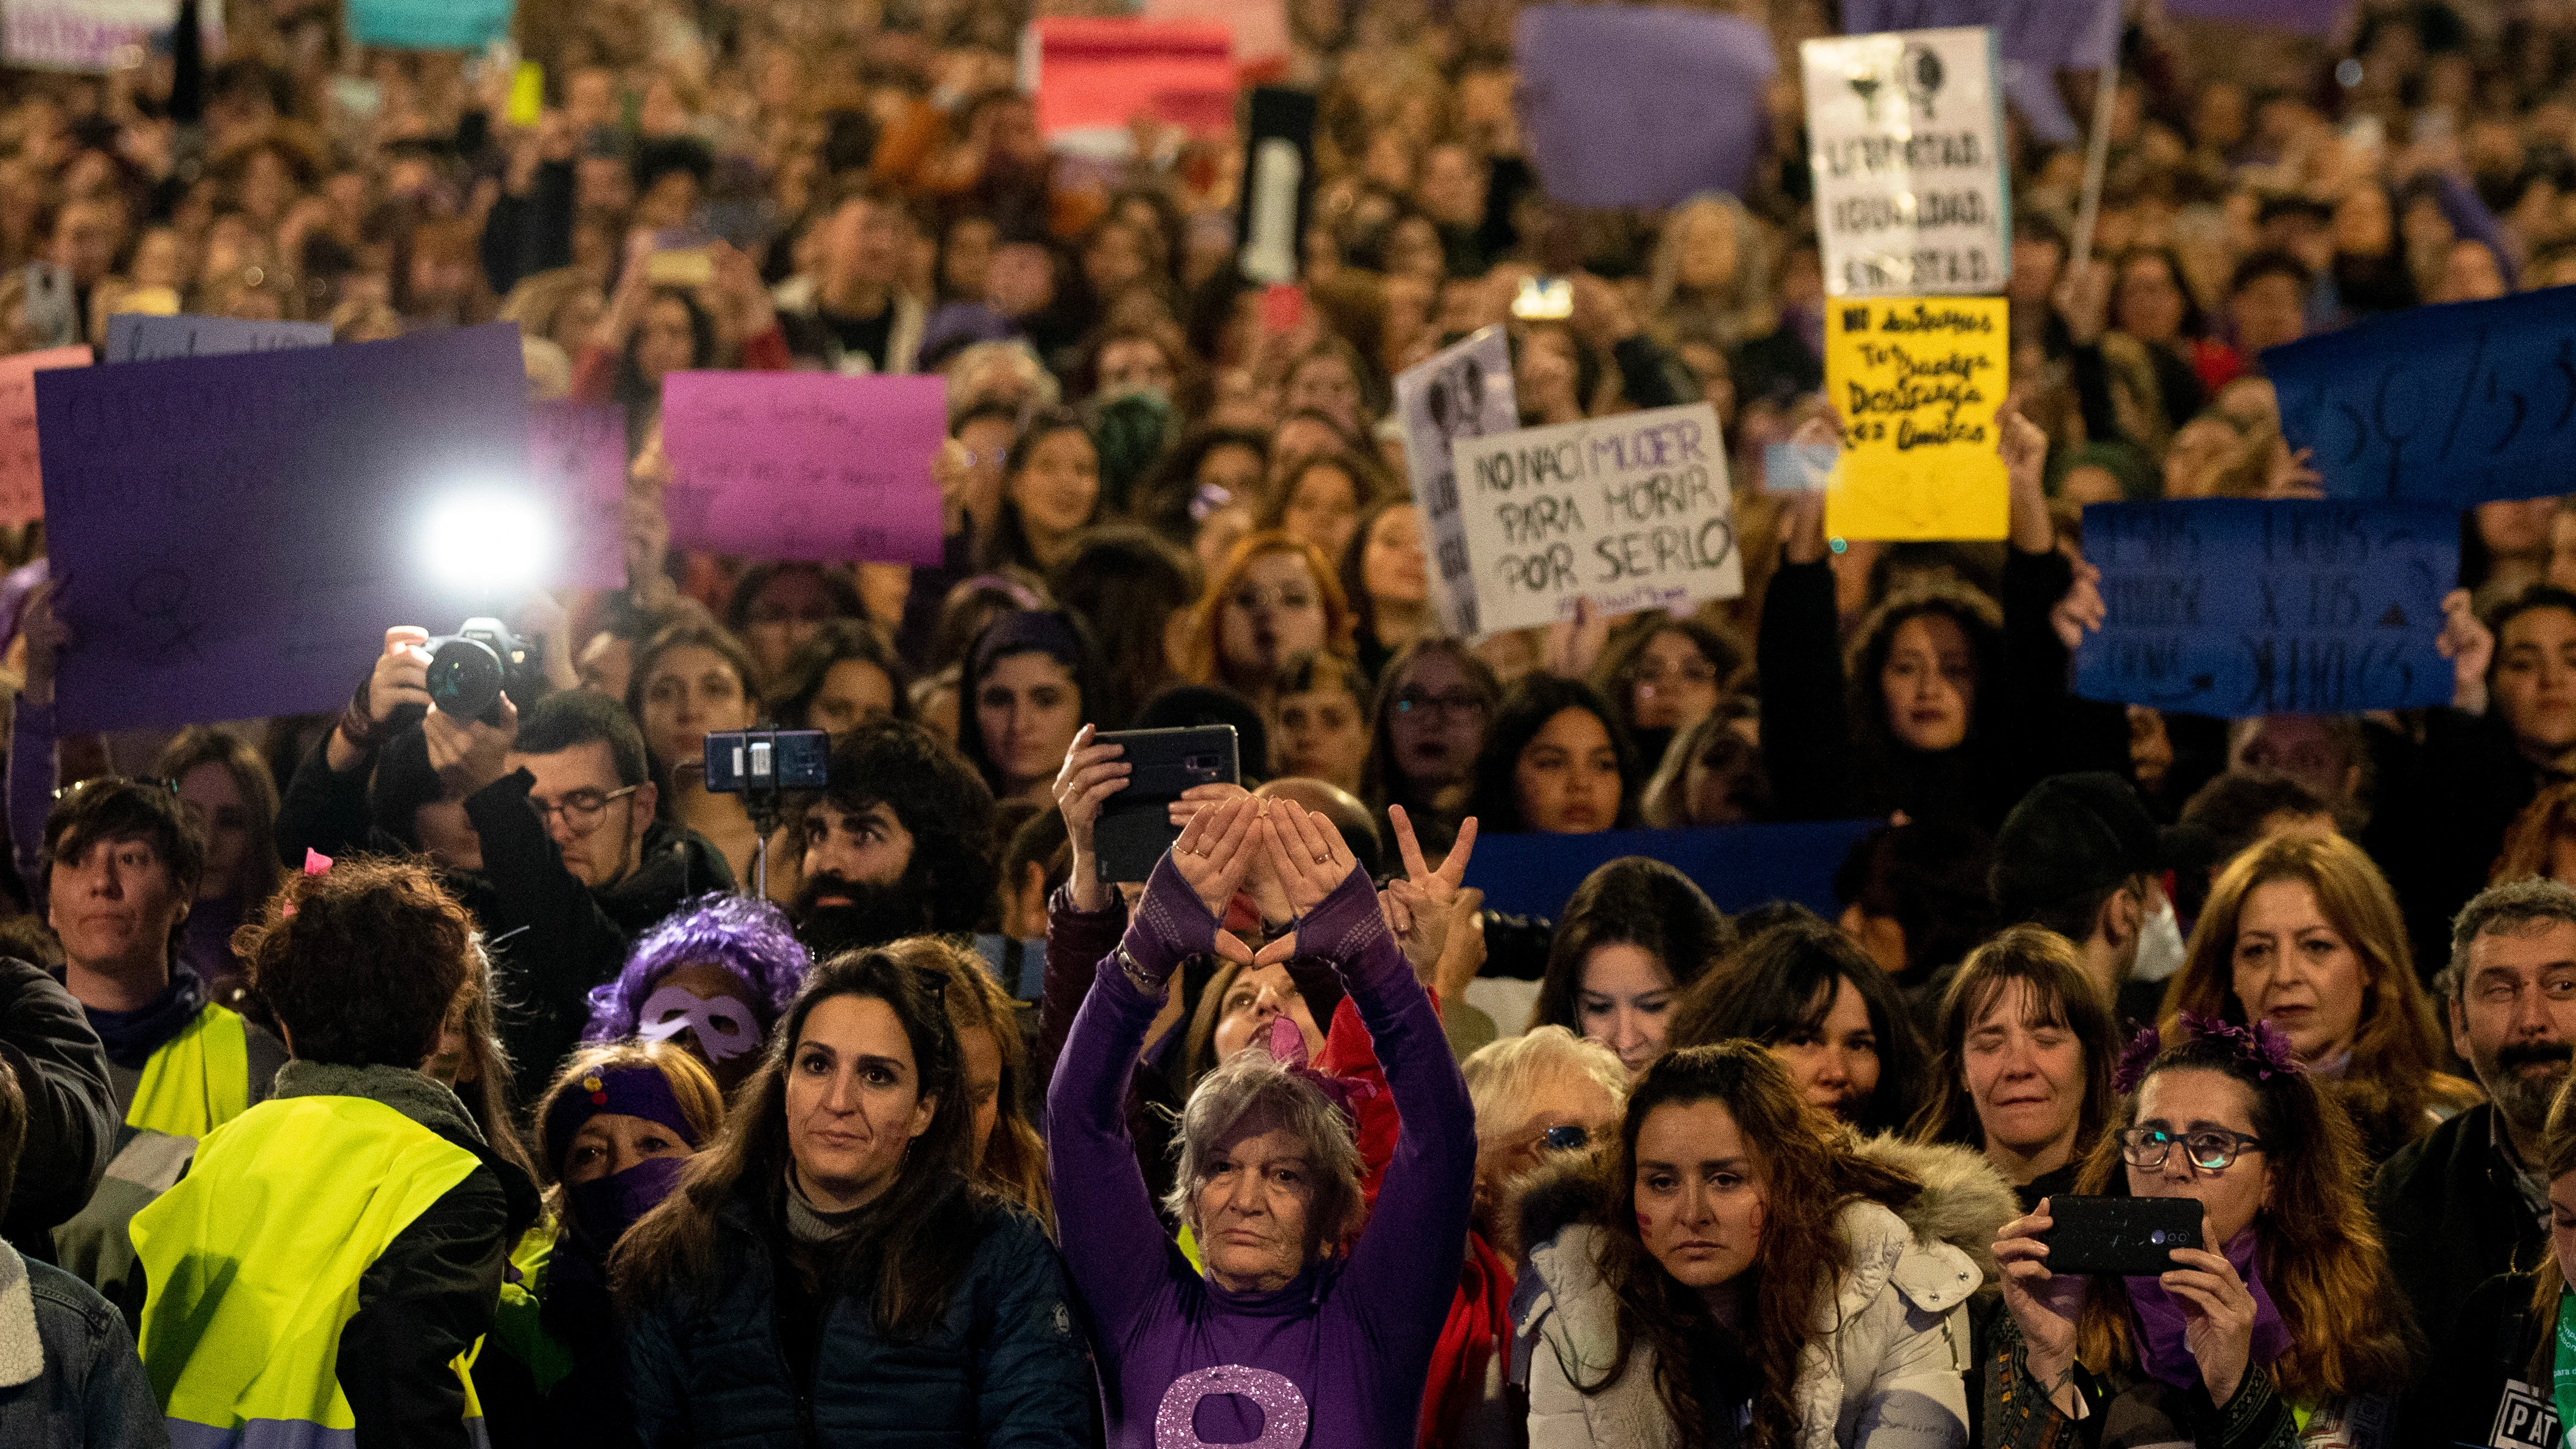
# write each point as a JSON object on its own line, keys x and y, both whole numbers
{"x": 1005, "y": 1367}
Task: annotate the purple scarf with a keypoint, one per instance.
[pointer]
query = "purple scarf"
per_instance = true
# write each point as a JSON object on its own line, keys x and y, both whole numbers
{"x": 2158, "y": 1317}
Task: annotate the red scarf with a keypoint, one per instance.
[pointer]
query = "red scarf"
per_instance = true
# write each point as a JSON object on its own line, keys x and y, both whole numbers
{"x": 1476, "y": 1332}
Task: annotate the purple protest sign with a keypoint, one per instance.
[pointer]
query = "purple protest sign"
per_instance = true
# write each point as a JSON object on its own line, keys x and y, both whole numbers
{"x": 2058, "y": 34}
{"x": 235, "y": 533}
{"x": 577, "y": 457}
{"x": 1638, "y": 106}
{"x": 804, "y": 465}
{"x": 2299, "y": 17}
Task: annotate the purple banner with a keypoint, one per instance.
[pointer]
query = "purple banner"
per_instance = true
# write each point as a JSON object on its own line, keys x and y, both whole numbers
{"x": 578, "y": 456}
{"x": 804, "y": 465}
{"x": 1637, "y": 106}
{"x": 234, "y": 534}
{"x": 2299, "y": 17}
{"x": 2061, "y": 34}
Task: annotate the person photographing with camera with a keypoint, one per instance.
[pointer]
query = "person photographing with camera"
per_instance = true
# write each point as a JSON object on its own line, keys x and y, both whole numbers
{"x": 551, "y": 808}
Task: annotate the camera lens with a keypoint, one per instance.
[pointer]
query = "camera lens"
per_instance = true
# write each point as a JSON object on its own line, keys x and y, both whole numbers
{"x": 464, "y": 677}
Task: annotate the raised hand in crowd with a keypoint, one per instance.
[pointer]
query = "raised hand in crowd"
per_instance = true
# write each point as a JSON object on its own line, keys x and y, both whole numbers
{"x": 1092, "y": 773}
{"x": 400, "y": 677}
{"x": 2470, "y": 646}
{"x": 47, "y": 636}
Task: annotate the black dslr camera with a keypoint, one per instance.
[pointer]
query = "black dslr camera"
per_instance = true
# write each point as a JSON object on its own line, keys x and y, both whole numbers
{"x": 471, "y": 668}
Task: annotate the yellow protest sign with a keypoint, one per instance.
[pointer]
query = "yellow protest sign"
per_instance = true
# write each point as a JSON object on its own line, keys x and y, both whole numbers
{"x": 1918, "y": 381}
{"x": 527, "y": 95}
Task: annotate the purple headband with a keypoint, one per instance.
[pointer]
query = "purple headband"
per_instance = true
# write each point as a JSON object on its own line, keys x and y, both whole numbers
{"x": 1026, "y": 631}
{"x": 2263, "y": 1046}
{"x": 624, "y": 1091}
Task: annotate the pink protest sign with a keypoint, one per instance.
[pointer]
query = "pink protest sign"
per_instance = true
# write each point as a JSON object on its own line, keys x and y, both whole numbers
{"x": 22, "y": 480}
{"x": 1093, "y": 76}
{"x": 577, "y": 454}
{"x": 1259, "y": 27}
{"x": 805, "y": 465}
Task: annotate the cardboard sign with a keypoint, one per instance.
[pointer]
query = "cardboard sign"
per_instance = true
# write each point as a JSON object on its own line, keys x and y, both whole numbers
{"x": 22, "y": 488}
{"x": 2242, "y": 606}
{"x": 1905, "y": 139}
{"x": 144, "y": 337}
{"x": 804, "y": 465}
{"x": 1630, "y": 512}
{"x": 1633, "y": 105}
{"x": 95, "y": 36}
{"x": 1918, "y": 381}
{"x": 430, "y": 24}
{"x": 253, "y": 571}
{"x": 1092, "y": 76}
{"x": 1462, "y": 391}
{"x": 2462, "y": 403}
{"x": 577, "y": 455}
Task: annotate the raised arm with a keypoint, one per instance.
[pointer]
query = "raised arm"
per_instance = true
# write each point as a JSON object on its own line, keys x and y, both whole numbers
{"x": 1102, "y": 1210}
{"x": 1406, "y": 1264}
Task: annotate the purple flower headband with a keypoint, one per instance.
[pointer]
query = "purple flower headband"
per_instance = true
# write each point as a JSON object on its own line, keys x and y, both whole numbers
{"x": 1286, "y": 1045}
{"x": 2262, "y": 1046}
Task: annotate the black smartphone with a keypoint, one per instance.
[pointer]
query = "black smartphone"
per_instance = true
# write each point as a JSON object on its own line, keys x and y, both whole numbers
{"x": 747, "y": 761}
{"x": 2132, "y": 1237}
{"x": 1135, "y": 825}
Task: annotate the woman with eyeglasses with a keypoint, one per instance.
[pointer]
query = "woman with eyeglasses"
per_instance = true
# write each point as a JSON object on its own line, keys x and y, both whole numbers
{"x": 1667, "y": 675}
{"x": 2283, "y": 1327}
{"x": 1275, "y": 597}
{"x": 2304, "y": 932}
{"x": 1432, "y": 705}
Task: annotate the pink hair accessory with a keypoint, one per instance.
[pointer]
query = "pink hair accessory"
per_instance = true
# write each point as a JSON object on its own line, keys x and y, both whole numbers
{"x": 1286, "y": 1045}
{"x": 315, "y": 863}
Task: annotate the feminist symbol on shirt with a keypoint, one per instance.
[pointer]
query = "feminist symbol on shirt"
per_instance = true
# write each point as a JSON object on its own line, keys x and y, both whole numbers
{"x": 1283, "y": 1409}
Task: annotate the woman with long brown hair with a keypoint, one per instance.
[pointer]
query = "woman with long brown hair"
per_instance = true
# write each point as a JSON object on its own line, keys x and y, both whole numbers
{"x": 2021, "y": 1069}
{"x": 993, "y": 1065}
{"x": 1274, "y": 597}
{"x": 1750, "y": 1273}
{"x": 2303, "y": 931}
{"x": 2288, "y": 1306}
{"x": 829, "y": 1270}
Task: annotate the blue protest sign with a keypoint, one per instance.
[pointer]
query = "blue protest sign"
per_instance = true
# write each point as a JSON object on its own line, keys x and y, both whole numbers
{"x": 430, "y": 24}
{"x": 141, "y": 337}
{"x": 2457, "y": 404}
{"x": 2239, "y": 606}
{"x": 235, "y": 533}
{"x": 1738, "y": 865}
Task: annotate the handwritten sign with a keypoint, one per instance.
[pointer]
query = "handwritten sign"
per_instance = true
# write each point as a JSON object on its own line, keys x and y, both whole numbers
{"x": 141, "y": 337}
{"x": 253, "y": 570}
{"x": 2463, "y": 403}
{"x": 1461, "y": 391}
{"x": 1919, "y": 381}
{"x": 804, "y": 465}
{"x": 430, "y": 24}
{"x": 22, "y": 488}
{"x": 1641, "y": 105}
{"x": 1630, "y": 512}
{"x": 1905, "y": 140}
{"x": 2242, "y": 606}
{"x": 96, "y": 35}
{"x": 577, "y": 457}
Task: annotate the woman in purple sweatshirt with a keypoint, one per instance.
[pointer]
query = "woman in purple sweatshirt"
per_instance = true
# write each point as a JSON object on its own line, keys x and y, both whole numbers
{"x": 1296, "y": 1335}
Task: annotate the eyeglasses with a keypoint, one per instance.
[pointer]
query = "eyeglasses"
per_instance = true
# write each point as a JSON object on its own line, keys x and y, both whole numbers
{"x": 1460, "y": 705}
{"x": 1697, "y": 671}
{"x": 581, "y": 810}
{"x": 1572, "y": 1137}
{"x": 1253, "y": 598}
{"x": 2212, "y": 1149}
{"x": 149, "y": 782}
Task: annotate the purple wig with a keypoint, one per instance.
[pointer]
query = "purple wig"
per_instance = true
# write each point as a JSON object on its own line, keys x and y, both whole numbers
{"x": 749, "y": 939}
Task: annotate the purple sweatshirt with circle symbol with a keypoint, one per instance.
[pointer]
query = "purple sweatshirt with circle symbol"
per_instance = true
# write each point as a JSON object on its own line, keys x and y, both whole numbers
{"x": 1338, "y": 1356}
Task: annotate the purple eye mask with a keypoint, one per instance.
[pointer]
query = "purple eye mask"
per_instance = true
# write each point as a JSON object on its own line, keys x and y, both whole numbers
{"x": 726, "y": 1028}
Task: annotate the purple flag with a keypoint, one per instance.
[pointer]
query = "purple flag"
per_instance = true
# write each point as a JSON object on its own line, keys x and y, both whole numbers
{"x": 2299, "y": 17}
{"x": 2059, "y": 34}
{"x": 578, "y": 452}
{"x": 1636, "y": 106}
{"x": 806, "y": 465}
{"x": 235, "y": 533}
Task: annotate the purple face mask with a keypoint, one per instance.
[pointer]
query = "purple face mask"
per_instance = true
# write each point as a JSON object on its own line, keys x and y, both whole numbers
{"x": 726, "y": 1028}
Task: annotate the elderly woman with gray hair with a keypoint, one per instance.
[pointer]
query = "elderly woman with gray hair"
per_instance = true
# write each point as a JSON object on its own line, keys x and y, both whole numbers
{"x": 1303, "y": 1328}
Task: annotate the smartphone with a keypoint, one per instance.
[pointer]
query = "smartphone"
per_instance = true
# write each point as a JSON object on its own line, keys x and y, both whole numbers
{"x": 1544, "y": 299}
{"x": 742, "y": 762}
{"x": 687, "y": 267}
{"x": 1135, "y": 825}
{"x": 2131, "y": 1237}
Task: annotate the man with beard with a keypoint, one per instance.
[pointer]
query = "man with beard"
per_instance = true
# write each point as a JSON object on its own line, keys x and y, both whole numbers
{"x": 2469, "y": 1200}
{"x": 900, "y": 844}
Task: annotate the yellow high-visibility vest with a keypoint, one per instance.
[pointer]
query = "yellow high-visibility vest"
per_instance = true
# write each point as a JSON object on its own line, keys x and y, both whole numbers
{"x": 199, "y": 1080}
{"x": 253, "y": 1262}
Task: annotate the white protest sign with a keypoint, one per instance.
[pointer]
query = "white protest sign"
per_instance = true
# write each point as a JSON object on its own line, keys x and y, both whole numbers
{"x": 1630, "y": 512}
{"x": 1905, "y": 140}
{"x": 1461, "y": 391}
{"x": 95, "y": 35}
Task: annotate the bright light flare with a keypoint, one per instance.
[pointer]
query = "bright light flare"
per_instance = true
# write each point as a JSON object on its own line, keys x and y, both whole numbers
{"x": 488, "y": 542}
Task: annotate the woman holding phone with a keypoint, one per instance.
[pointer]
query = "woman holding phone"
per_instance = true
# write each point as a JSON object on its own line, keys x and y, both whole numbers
{"x": 2284, "y": 1323}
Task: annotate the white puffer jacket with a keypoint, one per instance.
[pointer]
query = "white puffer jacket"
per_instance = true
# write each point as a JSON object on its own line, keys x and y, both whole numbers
{"x": 1886, "y": 1368}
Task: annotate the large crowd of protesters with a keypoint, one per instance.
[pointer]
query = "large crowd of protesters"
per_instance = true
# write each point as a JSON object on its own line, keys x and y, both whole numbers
{"x": 386, "y": 1077}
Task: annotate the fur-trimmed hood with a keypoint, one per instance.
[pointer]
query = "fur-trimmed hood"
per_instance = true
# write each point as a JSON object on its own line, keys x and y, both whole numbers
{"x": 1964, "y": 1201}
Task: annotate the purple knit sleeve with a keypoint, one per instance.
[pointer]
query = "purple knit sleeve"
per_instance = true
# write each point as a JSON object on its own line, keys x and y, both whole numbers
{"x": 32, "y": 772}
